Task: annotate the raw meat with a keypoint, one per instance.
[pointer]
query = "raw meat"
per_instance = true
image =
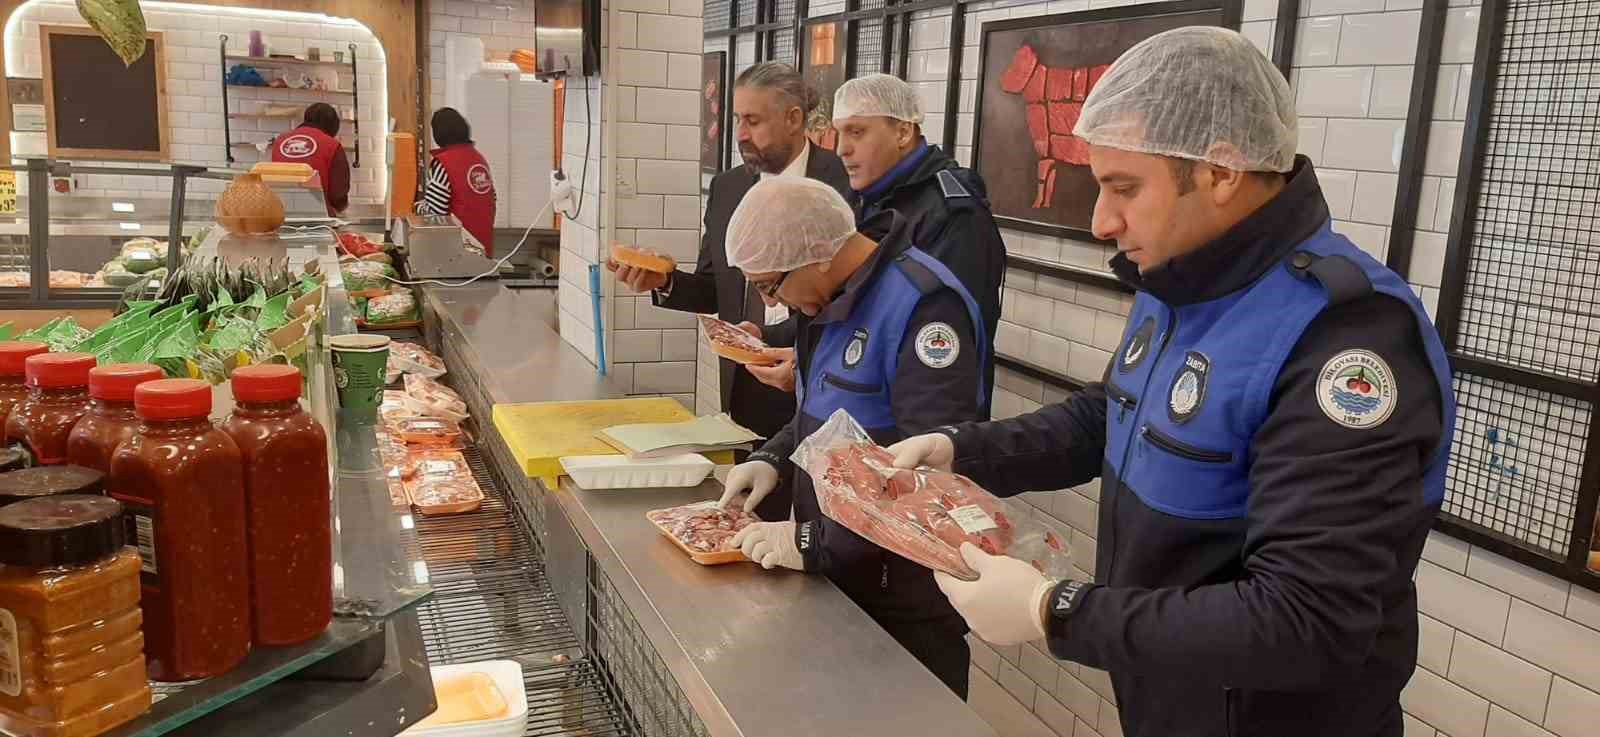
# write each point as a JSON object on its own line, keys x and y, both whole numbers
{"x": 728, "y": 341}
{"x": 1053, "y": 97}
{"x": 1021, "y": 70}
{"x": 921, "y": 514}
{"x": 703, "y": 527}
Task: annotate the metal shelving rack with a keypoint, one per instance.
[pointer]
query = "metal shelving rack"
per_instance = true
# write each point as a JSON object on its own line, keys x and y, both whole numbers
{"x": 225, "y": 59}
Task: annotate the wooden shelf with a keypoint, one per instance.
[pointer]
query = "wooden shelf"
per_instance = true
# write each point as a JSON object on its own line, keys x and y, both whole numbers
{"x": 264, "y": 116}
{"x": 267, "y": 60}
{"x": 291, "y": 89}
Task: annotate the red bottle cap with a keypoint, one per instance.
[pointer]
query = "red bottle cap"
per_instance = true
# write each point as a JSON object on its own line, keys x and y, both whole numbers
{"x": 172, "y": 399}
{"x": 56, "y": 370}
{"x": 115, "y": 382}
{"x": 14, "y": 352}
{"x": 266, "y": 383}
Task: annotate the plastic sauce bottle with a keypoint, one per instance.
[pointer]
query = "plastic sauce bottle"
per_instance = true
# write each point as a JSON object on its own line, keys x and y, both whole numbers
{"x": 69, "y": 619}
{"x": 58, "y": 396}
{"x": 111, "y": 419}
{"x": 13, "y": 353}
{"x": 183, "y": 485}
{"x": 287, "y": 504}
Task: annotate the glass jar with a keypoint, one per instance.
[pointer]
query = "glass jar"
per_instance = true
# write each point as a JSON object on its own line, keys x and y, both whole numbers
{"x": 58, "y": 396}
{"x": 183, "y": 485}
{"x": 69, "y": 617}
{"x": 111, "y": 418}
{"x": 32, "y": 483}
{"x": 13, "y": 389}
{"x": 287, "y": 505}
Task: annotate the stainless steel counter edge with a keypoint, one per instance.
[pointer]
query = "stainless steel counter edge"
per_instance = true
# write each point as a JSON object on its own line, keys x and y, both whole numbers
{"x": 754, "y": 652}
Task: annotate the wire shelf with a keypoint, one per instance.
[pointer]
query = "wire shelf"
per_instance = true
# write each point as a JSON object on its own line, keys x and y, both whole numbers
{"x": 1517, "y": 461}
{"x": 654, "y": 705}
{"x": 1531, "y": 296}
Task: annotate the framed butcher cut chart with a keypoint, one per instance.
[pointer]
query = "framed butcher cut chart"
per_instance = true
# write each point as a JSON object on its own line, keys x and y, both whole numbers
{"x": 713, "y": 113}
{"x": 1034, "y": 74}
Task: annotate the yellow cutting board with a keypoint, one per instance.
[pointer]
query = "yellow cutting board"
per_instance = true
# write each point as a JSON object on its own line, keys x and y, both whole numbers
{"x": 540, "y": 433}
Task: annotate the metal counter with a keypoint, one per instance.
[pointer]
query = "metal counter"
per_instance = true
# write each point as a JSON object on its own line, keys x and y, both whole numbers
{"x": 690, "y": 650}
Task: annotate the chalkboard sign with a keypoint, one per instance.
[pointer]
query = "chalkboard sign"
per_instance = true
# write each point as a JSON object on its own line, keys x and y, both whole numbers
{"x": 96, "y": 106}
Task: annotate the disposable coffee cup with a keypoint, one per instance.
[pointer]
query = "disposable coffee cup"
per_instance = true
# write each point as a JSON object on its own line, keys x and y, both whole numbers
{"x": 359, "y": 363}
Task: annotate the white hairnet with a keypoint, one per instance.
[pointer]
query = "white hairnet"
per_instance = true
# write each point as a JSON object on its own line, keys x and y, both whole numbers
{"x": 881, "y": 95}
{"x": 786, "y": 222}
{"x": 1201, "y": 93}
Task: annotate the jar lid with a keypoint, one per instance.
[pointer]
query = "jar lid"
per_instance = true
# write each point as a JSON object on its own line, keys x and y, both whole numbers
{"x": 266, "y": 383}
{"x": 14, "y": 352}
{"x": 172, "y": 399}
{"x": 115, "y": 382}
{"x": 58, "y": 370}
{"x": 12, "y": 458}
{"x": 31, "y": 483}
{"x": 67, "y": 529}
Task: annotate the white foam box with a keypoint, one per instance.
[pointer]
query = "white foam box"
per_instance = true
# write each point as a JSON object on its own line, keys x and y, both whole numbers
{"x": 507, "y": 675}
{"x": 620, "y": 472}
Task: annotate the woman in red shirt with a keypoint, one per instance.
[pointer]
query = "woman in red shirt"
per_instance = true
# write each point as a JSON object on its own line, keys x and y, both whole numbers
{"x": 315, "y": 142}
{"x": 458, "y": 179}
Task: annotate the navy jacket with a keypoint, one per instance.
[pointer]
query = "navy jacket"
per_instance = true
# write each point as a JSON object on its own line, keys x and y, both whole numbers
{"x": 1272, "y": 435}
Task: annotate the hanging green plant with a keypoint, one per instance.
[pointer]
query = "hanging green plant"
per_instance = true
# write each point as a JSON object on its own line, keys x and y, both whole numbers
{"x": 120, "y": 23}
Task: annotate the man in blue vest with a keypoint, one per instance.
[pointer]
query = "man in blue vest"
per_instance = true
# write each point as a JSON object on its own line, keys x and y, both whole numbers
{"x": 887, "y": 333}
{"x": 1271, "y": 435}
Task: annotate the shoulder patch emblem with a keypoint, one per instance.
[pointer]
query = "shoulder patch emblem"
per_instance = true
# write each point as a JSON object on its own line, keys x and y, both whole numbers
{"x": 1356, "y": 389}
{"x": 478, "y": 179}
{"x": 298, "y": 146}
{"x": 855, "y": 348}
{"x": 1189, "y": 388}
{"x": 1137, "y": 347}
{"x": 937, "y": 345}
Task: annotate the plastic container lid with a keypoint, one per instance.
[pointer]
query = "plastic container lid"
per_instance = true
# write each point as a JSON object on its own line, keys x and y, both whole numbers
{"x": 58, "y": 370}
{"x": 172, "y": 399}
{"x": 115, "y": 382}
{"x": 266, "y": 383}
{"x": 32, "y": 483}
{"x": 62, "y": 530}
{"x": 13, "y": 353}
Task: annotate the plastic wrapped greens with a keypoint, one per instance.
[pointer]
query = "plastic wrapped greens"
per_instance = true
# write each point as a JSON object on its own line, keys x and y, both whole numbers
{"x": 921, "y": 514}
{"x": 366, "y": 276}
{"x": 398, "y": 307}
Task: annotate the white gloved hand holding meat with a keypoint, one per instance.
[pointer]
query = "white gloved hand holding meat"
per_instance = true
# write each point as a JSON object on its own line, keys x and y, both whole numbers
{"x": 1005, "y": 606}
{"x": 771, "y": 544}
{"x": 934, "y": 449}
{"x": 757, "y": 477}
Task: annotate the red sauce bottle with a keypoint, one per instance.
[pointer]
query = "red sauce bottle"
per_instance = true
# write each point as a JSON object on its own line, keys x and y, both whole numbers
{"x": 111, "y": 419}
{"x": 58, "y": 396}
{"x": 13, "y": 353}
{"x": 287, "y": 505}
{"x": 183, "y": 485}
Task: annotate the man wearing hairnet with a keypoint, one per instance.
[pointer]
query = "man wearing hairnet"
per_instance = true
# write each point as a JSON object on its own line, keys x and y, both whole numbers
{"x": 1271, "y": 435}
{"x": 887, "y": 333}
{"x": 945, "y": 204}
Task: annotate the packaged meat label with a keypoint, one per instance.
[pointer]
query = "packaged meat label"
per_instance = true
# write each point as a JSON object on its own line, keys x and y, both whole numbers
{"x": 973, "y": 519}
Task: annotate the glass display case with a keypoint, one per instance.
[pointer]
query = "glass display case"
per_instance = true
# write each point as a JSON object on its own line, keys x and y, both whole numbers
{"x": 81, "y": 235}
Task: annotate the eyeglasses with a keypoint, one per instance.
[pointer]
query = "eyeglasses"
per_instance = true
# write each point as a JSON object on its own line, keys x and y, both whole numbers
{"x": 770, "y": 288}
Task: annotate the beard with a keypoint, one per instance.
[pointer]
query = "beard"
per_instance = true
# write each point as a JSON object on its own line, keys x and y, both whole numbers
{"x": 771, "y": 160}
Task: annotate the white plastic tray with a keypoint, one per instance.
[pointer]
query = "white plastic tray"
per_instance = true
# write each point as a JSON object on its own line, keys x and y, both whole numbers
{"x": 620, "y": 472}
{"x": 507, "y": 675}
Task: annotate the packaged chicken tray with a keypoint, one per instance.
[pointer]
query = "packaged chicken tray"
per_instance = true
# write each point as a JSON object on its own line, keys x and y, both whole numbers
{"x": 429, "y": 398}
{"x": 703, "y": 530}
{"x": 441, "y": 482}
{"x": 921, "y": 514}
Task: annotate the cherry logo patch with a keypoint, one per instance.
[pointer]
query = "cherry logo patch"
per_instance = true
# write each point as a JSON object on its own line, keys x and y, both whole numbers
{"x": 1356, "y": 389}
{"x": 478, "y": 179}
{"x": 298, "y": 146}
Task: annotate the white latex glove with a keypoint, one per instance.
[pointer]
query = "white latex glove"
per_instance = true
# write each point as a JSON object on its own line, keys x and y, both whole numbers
{"x": 1005, "y": 606}
{"x": 771, "y": 544}
{"x": 757, "y": 477}
{"x": 930, "y": 449}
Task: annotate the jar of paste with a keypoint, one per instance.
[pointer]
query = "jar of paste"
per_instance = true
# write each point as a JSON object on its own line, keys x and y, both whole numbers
{"x": 58, "y": 396}
{"x": 111, "y": 419}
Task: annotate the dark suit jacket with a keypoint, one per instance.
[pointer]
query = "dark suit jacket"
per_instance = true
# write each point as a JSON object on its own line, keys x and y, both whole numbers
{"x": 714, "y": 287}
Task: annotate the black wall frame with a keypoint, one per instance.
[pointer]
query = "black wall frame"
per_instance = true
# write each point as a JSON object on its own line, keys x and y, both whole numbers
{"x": 1414, "y": 149}
{"x": 1490, "y": 196}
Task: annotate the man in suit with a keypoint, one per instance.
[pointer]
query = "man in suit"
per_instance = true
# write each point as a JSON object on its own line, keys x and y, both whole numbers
{"x": 770, "y": 104}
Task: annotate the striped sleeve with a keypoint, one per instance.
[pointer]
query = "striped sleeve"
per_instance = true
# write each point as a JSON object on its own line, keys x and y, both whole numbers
{"x": 436, "y": 192}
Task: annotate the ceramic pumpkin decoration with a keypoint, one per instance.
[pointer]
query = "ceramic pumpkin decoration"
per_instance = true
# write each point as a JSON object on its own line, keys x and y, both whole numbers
{"x": 249, "y": 207}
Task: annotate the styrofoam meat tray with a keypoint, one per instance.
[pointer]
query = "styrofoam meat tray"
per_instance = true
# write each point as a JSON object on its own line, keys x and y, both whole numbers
{"x": 621, "y": 472}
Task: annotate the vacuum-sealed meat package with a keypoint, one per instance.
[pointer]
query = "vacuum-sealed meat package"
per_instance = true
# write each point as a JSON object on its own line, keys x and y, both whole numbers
{"x": 921, "y": 514}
